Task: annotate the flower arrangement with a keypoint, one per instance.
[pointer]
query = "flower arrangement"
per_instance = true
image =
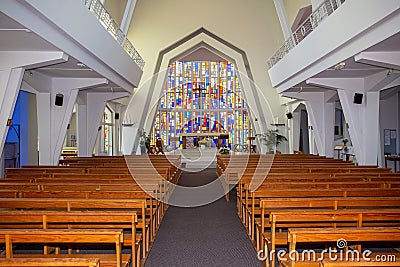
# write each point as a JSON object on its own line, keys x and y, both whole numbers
{"x": 203, "y": 142}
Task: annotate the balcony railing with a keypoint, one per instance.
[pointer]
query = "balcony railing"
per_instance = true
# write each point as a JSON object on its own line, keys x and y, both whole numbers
{"x": 312, "y": 22}
{"x": 112, "y": 27}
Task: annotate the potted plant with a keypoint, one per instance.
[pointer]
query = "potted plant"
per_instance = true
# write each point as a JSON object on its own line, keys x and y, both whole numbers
{"x": 345, "y": 140}
{"x": 272, "y": 139}
{"x": 224, "y": 150}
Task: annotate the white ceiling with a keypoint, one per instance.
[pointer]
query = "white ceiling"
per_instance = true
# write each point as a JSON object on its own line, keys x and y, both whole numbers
{"x": 355, "y": 69}
{"x": 15, "y": 37}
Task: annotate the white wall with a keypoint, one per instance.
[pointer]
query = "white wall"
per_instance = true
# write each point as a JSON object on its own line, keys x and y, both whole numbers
{"x": 33, "y": 156}
{"x": 293, "y": 7}
{"x": 389, "y": 119}
{"x": 116, "y": 8}
{"x": 316, "y": 3}
{"x": 252, "y": 26}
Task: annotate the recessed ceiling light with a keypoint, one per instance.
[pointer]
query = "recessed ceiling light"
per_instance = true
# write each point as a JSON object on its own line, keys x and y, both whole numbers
{"x": 340, "y": 66}
{"x": 81, "y": 65}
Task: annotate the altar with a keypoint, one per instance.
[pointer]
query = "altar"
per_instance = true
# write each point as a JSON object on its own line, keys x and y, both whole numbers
{"x": 188, "y": 138}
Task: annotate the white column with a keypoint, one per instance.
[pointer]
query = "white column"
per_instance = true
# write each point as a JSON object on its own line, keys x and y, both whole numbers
{"x": 10, "y": 82}
{"x": 280, "y": 10}
{"x": 52, "y": 124}
{"x": 290, "y": 134}
{"x": 83, "y": 150}
{"x": 89, "y": 117}
{"x": 296, "y": 130}
{"x": 117, "y": 131}
{"x": 12, "y": 67}
{"x": 53, "y": 120}
{"x": 363, "y": 119}
{"x": 127, "y": 18}
{"x": 43, "y": 118}
{"x": 321, "y": 118}
{"x": 293, "y": 127}
{"x": 311, "y": 143}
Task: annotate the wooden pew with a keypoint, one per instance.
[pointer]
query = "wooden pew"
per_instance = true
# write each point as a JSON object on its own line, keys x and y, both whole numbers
{"x": 46, "y": 262}
{"x": 363, "y": 262}
{"x": 155, "y": 209}
{"x": 77, "y": 220}
{"x": 283, "y": 219}
{"x": 90, "y": 236}
{"x": 296, "y": 205}
{"x": 251, "y": 205}
{"x": 64, "y": 204}
{"x": 350, "y": 234}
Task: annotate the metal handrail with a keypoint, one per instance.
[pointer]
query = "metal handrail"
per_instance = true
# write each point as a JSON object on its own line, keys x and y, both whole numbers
{"x": 97, "y": 8}
{"x": 312, "y": 22}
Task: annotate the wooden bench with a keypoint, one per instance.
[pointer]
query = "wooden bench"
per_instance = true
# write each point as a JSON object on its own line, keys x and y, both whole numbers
{"x": 57, "y": 237}
{"x": 362, "y": 262}
{"x": 350, "y": 234}
{"x": 60, "y": 204}
{"x": 46, "y": 262}
{"x": 283, "y": 219}
{"x": 249, "y": 206}
{"x": 296, "y": 205}
{"x": 77, "y": 220}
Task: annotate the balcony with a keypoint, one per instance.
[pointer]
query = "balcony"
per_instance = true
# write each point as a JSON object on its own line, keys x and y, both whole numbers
{"x": 319, "y": 44}
{"x": 112, "y": 27}
{"x": 309, "y": 25}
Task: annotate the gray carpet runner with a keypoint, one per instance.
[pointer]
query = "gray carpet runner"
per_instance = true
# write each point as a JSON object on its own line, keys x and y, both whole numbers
{"x": 210, "y": 235}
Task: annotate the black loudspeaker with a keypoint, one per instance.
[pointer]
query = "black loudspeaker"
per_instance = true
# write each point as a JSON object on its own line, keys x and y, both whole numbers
{"x": 59, "y": 100}
{"x": 289, "y": 115}
{"x": 116, "y": 116}
{"x": 358, "y": 98}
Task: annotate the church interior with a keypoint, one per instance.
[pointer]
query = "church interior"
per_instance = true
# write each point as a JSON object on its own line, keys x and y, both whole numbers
{"x": 212, "y": 133}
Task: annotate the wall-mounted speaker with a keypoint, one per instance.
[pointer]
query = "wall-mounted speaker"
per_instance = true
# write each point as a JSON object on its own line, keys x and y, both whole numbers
{"x": 116, "y": 116}
{"x": 59, "y": 100}
{"x": 289, "y": 115}
{"x": 358, "y": 98}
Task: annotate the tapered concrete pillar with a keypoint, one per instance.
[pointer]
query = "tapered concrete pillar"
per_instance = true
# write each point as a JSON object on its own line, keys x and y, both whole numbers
{"x": 321, "y": 119}
{"x": 12, "y": 68}
{"x": 90, "y": 113}
{"x": 53, "y": 119}
{"x": 281, "y": 11}
{"x": 363, "y": 117}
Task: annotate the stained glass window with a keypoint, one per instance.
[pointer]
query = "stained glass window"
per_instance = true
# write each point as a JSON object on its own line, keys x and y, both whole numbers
{"x": 202, "y": 97}
{"x": 106, "y": 139}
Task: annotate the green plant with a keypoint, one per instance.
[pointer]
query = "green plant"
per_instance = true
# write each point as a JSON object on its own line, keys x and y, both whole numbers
{"x": 224, "y": 150}
{"x": 345, "y": 141}
{"x": 272, "y": 139}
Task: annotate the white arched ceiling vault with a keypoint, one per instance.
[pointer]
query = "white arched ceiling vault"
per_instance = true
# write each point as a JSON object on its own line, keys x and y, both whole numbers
{"x": 142, "y": 108}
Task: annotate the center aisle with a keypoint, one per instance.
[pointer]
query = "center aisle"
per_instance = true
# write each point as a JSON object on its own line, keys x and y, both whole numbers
{"x": 210, "y": 235}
